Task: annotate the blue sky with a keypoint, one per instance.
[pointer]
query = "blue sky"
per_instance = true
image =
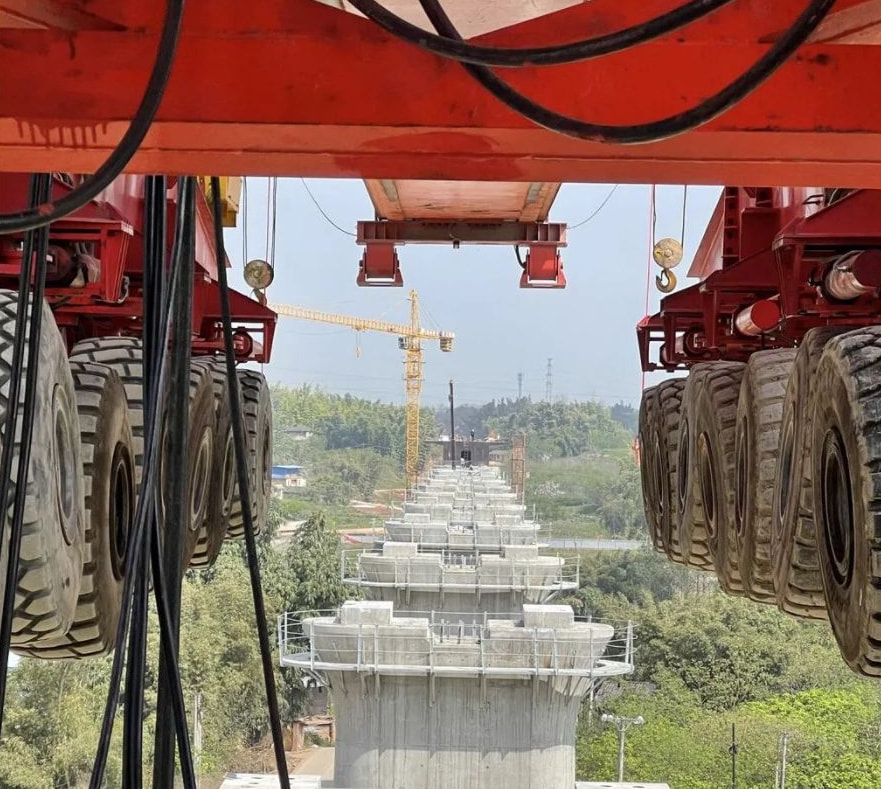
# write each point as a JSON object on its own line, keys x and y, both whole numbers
{"x": 587, "y": 329}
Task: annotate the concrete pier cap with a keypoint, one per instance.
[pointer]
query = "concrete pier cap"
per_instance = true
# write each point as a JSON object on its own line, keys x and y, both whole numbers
{"x": 424, "y": 701}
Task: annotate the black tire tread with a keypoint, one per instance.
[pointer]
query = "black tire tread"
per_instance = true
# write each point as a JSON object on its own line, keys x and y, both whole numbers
{"x": 716, "y": 410}
{"x": 648, "y": 414}
{"x": 851, "y": 364}
{"x": 763, "y": 390}
{"x": 93, "y": 630}
{"x": 255, "y": 401}
{"x": 797, "y": 579}
{"x": 50, "y": 569}
{"x": 669, "y": 395}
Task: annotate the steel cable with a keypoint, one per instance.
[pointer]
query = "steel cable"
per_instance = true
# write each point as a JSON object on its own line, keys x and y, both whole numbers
{"x": 652, "y": 131}
{"x": 159, "y": 375}
{"x": 45, "y": 211}
{"x": 34, "y": 253}
{"x": 238, "y": 428}
{"x": 455, "y": 48}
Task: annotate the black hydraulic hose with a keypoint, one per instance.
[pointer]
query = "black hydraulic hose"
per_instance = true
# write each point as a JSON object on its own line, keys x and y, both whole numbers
{"x": 238, "y": 427}
{"x": 652, "y": 131}
{"x": 93, "y": 185}
{"x": 36, "y": 248}
{"x": 169, "y": 653}
{"x": 143, "y": 509}
{"x": 136, "y": 665}
{"x": 510, "y": 57}
{"x": 175, "y": 509}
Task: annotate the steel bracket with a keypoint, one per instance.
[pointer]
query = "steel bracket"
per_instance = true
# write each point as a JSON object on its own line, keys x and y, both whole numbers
{"x": 379, "y": 267}
{"x": 543, "y": 268}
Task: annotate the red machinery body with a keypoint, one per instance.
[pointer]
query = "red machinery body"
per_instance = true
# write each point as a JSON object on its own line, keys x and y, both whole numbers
{"x": 773, "y": 263}
{"x": 94, "y": 283}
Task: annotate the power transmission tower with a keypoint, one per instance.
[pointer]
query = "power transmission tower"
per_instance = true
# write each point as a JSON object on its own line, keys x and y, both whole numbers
{"x": 519, "y": 386}
{"x": 549, "y": 381}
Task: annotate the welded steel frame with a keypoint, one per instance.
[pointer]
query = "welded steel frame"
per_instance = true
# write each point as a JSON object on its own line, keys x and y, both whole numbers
{"x": 697, "y": 324}
{"x": 113, "y": 304}
{"x": 541, "y": 242}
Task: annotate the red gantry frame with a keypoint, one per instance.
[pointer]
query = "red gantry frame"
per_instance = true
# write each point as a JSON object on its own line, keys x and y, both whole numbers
{"x": 773, "y": 263}
{"x": 94, "y": 284}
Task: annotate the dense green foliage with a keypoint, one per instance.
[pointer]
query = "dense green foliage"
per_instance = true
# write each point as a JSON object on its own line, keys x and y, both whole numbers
{"x": 706, "y": 661}
{"x": 552, "y": 429}
{"x": 54, "y": 710}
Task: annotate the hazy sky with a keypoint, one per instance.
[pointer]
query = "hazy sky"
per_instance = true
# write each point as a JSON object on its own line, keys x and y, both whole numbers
{"x": 588, "y": 329}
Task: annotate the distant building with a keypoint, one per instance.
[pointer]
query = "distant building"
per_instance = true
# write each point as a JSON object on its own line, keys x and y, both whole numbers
{"x": 285, "y": 479}
{"x": 480, "y": 452}
{"x": 299, "y": 432}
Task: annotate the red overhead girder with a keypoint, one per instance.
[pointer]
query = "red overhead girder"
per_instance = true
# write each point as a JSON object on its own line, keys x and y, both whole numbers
{"x": 297, "y": 87}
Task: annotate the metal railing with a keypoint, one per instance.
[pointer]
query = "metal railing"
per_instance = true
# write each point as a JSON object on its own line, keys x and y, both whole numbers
{"x": 456, "y": 645}
{"x": 452, "y": 571}
{"x": 479, "y": 536}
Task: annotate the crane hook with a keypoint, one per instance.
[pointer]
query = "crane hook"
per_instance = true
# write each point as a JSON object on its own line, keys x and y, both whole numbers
{"x": 666, "y": 281}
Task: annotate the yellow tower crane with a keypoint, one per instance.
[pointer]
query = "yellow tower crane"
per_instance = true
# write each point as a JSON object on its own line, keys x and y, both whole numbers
{"x": 410, "y": 339}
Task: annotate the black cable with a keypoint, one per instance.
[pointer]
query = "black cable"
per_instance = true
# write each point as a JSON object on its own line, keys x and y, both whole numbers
{"x": 238, "y": 427}
{"x": 144, "y": 506}
{"x": 456, "y": 48}
{"x": 136, "y": 665}
{"x": 652, "y": 131}
{"x": 169, "y": 654}
{"x": 93, "y": 185}
{"x": 36, "y": 248}
{"x": 175, "y": 509}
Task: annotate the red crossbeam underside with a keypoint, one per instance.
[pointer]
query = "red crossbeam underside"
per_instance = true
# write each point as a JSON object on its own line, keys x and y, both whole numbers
{"x": 293, "y": 87}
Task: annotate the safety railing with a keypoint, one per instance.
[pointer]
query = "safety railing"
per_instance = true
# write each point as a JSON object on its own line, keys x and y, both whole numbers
{"x": 468, "y": 536}
{"x": 456, "y": 645}
{"x": 446, "y": 570}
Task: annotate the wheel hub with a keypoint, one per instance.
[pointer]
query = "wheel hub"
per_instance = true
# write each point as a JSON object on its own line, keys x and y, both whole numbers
{"x": 65, "y": 466}
{"x": 742, "y": 454}
{"x": 707, "y": 480}
{"x": 656, "y": 478}
{"x": 682, "y": 468}
{"x": 200, "y": 483}
{"x": 787, "y": 452}
{"x": 121, "y": 507}
{"x": 838, "y": 536}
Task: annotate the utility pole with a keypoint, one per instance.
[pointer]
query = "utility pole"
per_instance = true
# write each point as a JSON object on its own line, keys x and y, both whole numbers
{"x": 549, "y": 381}
{"x": 784, "y": 750}
{"x": 733, "y": 750}
{"x": 519, "y": 386}
{"x": 197, "y": 735}
{"x": 622, "y": 725}
{"x": 452, "y": 427}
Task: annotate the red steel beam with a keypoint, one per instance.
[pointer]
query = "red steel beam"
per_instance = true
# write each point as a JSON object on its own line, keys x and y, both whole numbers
{"x": 325, "y": 93}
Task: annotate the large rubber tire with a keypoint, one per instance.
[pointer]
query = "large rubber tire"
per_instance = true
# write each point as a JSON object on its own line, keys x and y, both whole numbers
{"x": 846, "y": 478}
{"x": 693, "y": 543}
{"x": 649, "y": 464}
{"x": 669, "y": 395}
{"x": 109, "y": 484}
{"x": 51, "y": 555}
{"x": 797, "y": 580}
{"x": 257, "y": 415}
{"x": 223, "y": 473}
{"x": 715, "y": 417}
{"x": 125, "y": 355}
{"x": 759, "y": 414}
{"x": 200, "y": 461}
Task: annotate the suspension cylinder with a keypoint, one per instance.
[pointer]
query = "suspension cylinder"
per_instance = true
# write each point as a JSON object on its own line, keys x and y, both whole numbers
{"x": 758, "y": 318}
{"x": 853, "y": 275}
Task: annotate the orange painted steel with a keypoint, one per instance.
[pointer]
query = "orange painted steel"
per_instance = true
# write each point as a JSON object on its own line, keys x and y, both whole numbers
{"x": 296, "y": 87}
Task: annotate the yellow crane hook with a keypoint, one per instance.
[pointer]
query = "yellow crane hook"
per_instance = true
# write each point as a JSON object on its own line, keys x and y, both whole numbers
{"x": 666, "y": 281}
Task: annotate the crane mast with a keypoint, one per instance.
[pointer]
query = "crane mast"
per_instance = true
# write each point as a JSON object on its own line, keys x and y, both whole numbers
{"x": 410, "y": 337}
